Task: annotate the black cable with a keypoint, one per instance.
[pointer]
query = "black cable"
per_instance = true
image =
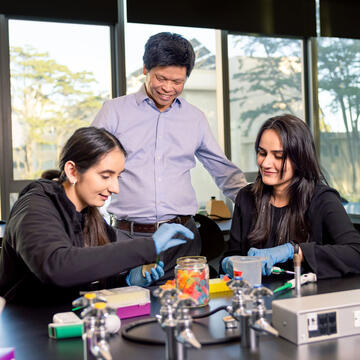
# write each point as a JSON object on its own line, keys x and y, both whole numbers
{"x": 127, "y": 328}
{"x": 209, "y": 313}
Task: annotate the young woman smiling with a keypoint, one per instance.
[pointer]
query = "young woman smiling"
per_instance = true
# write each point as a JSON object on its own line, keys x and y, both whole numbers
{"x": 56, "y": 243}
{"x": 290, "y": 208}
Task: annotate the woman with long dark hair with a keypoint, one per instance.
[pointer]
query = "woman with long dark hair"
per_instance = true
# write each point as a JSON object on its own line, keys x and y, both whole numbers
{"x": 57, "y": 243}
{"x": 290, "y": 207}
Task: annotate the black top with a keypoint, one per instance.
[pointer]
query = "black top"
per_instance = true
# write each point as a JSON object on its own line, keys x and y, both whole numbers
{"x": 43, "y": 251}
{"x": 333, "y": 249}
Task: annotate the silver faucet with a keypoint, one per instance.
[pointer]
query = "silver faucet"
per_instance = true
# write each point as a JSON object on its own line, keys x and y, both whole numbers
{"x": 238, "y": 309}
{"x": 176, "y": 321}
{"x": 97, "y": 336}
{"x": 87, "y": 302}
{"x": 258, "y": 322}
{"x": 184, "y": 336}
{"x": 249, "y": 310}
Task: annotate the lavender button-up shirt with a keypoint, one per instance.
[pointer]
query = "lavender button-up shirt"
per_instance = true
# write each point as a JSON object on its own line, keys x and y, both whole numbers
{"x": 161, "y": 149}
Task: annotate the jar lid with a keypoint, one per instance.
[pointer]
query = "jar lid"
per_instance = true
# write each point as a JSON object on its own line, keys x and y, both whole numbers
{"x": 191, "y": 261}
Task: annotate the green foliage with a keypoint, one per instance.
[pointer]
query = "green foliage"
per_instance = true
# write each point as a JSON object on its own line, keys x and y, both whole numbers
{"x": 269, "y": 71}
{"x": 338, "y": 67}
{"x": 49, "y": 101}
{"x": 262, "y": 74}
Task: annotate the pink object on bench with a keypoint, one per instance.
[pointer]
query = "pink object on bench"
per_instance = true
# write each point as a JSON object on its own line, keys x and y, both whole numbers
{"x": 7, "y": 353}
{"x": 132, "y": 311}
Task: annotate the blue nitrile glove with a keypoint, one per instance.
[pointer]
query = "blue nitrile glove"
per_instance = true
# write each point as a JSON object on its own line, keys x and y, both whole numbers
{"x": 227, "y": 266}
{"x": 135, "y": 277}
{"x": 164, "y": 236}
{"x": 274, "y": 255}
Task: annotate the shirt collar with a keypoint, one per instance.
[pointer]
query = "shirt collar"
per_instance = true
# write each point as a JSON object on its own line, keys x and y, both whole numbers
{"x": 141, "y": 96}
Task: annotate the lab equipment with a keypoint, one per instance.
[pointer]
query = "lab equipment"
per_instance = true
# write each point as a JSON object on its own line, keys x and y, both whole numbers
{"x": 304, "y": 279}
{"x": 65, "y": 325}
{"x": 248, "y": 267}
{"x": 176, "y": 321}
{"x": 192, "y": 278}
{"x": 65, "y": 330}
{"x": 249, "y": 310}
{"x": 66, "y": 318}
{"x": 127, "y": 301}
{"x": 297, "y": 269}
{"x": 238, "y": 310}
{"x": 230, "y": 322}
{"x": 219, "y": 285}
{"x": 277, "y": 270}
{"x": 317, "y": 317}
{"x": 96, "y": 336}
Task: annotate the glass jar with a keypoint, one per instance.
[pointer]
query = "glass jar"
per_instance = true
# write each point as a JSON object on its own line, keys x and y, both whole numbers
{"x": 192, "y": 278}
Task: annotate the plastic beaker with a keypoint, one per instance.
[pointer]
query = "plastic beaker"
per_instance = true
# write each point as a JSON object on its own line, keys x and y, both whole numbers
{"x": 248, "y": 267}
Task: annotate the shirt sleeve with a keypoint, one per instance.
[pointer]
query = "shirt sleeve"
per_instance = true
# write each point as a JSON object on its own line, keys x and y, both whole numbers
{"x": 47, "y": 249}
{"x": 106, "y": 117}
{"x": 337, "y": 253}
{"x": 228, "y": 177}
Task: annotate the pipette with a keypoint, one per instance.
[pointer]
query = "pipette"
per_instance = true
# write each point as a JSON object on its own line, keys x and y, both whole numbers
{"x": 277, "y": 270}
{"x": 305, "y": 278}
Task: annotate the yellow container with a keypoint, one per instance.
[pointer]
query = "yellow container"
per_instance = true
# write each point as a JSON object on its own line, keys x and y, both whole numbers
{"x": 218, "y": 285}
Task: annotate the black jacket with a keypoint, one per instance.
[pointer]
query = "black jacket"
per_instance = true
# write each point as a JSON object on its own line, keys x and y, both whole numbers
{"x": 43, "y": 255}
{"x": 333, "y": 249}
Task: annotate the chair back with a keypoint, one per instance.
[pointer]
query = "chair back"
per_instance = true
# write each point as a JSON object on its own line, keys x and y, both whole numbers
{"x": 212, "y": 238}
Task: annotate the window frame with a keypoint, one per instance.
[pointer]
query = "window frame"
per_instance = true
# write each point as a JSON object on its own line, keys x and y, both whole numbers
{"x": 117, "y": 40}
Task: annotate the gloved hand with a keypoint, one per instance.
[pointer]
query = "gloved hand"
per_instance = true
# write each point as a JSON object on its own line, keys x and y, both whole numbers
{"x": 274, "y": 255}
{"x": 164, "y": 236}
{"x": 135, "y": 275}
{"x": 227, "y": 266}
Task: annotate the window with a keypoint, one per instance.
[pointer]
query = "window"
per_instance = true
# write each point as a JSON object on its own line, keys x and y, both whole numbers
{"x": 265, "y": 81}
{"x": 200, "y": 88}
{"x": 60, "y": 76}
{"x": 339, "y": 103}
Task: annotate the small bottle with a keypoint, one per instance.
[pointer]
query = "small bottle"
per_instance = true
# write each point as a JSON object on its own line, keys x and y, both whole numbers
{"x": 192, "y": 278}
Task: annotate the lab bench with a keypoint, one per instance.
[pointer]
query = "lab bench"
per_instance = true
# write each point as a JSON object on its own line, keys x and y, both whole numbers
{"x": 25, "y": 328}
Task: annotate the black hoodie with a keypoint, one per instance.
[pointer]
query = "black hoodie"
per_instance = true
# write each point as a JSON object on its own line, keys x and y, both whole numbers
{"x": 43, "y": 258}
{"x": 333, "y": 249}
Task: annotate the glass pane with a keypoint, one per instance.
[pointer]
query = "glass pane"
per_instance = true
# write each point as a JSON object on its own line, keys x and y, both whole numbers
{"x": 60, "y": 76}
{"x": 265, "y": 81}
{"x": 339, "y": 101}
{"x": 200, "y": 88}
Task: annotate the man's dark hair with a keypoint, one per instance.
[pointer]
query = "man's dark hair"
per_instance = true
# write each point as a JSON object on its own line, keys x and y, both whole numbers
{"x": 169, "y": 49}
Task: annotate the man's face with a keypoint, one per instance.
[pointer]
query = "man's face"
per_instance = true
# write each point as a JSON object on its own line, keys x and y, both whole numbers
{"x": 164, "y": 84}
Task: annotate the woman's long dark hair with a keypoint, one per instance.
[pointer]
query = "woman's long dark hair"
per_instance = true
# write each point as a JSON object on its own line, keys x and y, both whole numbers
{"x": 298, "y": 146}
{"x": 85, "y": 148}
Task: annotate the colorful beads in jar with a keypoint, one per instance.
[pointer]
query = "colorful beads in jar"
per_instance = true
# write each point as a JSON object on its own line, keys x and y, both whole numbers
{"x": 192, "y": 278}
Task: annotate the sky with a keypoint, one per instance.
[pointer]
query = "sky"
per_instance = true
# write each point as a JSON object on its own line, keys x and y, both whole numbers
{"x": 87, "y": 47}
{"x": 80, "y": 47}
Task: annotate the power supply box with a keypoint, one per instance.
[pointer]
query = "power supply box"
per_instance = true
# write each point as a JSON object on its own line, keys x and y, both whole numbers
{"x": 317, "y": 317}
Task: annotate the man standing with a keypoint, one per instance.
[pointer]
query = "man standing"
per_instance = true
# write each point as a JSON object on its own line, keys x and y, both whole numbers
{"x": 162, "y": 133}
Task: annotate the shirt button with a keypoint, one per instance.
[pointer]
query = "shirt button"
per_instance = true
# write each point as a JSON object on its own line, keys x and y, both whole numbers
{"x": 159, "y": 179}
